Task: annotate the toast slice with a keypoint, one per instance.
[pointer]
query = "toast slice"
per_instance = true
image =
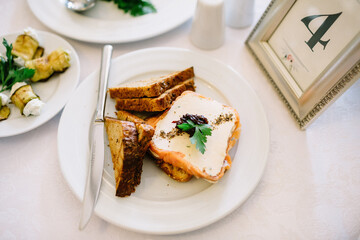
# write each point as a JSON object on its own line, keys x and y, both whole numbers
{"x": 155, "y": 104}
{"x": 153, "y": 87}
{"x": 173, "y": 146}
{"x": 175, "y": 173}
{"x": 127, "y": 116}
{"x": 128, "y": 144}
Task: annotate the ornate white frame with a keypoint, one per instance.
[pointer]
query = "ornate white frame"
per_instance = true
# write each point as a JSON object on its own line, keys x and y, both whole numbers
{"x": 337, "y": 77}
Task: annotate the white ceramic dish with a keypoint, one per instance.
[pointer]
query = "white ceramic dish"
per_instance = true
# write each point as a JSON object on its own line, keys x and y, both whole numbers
{"x": 105, "y": 23}
{"x": 161, "y": 205}
{"x": 55, "y": 92}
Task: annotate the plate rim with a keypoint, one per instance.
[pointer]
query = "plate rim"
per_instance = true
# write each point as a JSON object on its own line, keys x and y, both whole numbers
{"x": 90, "y": 39}
{"x": 224, "y": 213}
{"x": 74, "y": 86}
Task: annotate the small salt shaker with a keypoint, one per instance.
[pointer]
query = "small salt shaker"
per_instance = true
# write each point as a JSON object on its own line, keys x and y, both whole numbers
{"x": 208, "y": 27}
{"x": 239, "y": 13}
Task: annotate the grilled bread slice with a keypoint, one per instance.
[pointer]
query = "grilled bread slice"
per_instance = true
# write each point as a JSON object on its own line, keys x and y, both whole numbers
{"x": 175, "y": 148}
{"x": 151, "y": 87}
{"x": 128, "y": 144}
{"x": 155, "y": 104}
{"x": 175, "y": 173}
{"x": 127, "y": 116}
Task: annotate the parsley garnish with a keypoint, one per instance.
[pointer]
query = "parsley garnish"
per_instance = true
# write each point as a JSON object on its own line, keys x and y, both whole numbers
{"x": 9, "y": 72}
{"x": 200, "y": 133}
{"x": 135, "y": 7}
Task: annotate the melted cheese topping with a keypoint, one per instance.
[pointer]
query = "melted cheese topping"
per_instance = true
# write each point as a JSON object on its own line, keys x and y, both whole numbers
{"x": 212, "y": 161}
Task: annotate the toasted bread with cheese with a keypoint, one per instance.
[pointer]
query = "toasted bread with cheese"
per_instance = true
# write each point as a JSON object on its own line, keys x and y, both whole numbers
{"x": 153, "y": 87}
{"x": 128, "y": 144}
{"x": 156, "y": 104}
{"x": 176, "y": 173}
{"x": 177, "y": 149}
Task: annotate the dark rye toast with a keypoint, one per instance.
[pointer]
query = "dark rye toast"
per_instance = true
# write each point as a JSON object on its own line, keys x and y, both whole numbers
{"x": 128, "y": 144}
{"x": 156, "y": 104}
{"x": 153, "y": 87}
{"x": 175, "y": 173}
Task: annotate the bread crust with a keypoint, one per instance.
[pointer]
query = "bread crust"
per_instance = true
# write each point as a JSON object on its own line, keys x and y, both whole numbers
{"x": 126, "y": 116}
{"x": 155, "y": 104}
{"x": 151, "y": 87}
{"x": 128, "y": 144}
{"x": 175, "y": 173}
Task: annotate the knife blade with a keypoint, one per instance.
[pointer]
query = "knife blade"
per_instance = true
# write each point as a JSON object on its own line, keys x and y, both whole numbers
{"x": 96, "y": 164}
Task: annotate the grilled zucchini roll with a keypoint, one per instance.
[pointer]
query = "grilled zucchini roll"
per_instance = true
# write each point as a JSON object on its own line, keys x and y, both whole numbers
{"x": 59, "y": 60}
{"x": 4, "y": 109}
{"x": 25, "y": 47}
{"x": 43, "y": 68}
{"x": 22, "y": 96}
{"x": 4, "y": 112}
{"x": 56, "y": 61}
{"x": 39, "y": 52}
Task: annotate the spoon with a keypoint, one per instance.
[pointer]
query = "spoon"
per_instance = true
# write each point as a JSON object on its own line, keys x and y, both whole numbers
{"x": 79, "y": 5}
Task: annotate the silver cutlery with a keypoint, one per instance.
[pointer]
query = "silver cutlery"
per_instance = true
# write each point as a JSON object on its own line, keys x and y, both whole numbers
{"x": 79, "y": 5}
{"x": 96, "y": 164}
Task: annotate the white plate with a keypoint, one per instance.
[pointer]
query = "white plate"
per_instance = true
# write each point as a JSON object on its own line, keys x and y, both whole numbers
{"x": 161, "y": 205}
{"x": 105, "y": 23}
{"x": 55, "y": 92}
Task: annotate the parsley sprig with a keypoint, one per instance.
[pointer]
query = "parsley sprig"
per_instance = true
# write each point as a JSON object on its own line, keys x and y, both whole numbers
{"x": 199, "y": 137}
{"x": 135, "y": 7}
{"x": 9, "y": 72}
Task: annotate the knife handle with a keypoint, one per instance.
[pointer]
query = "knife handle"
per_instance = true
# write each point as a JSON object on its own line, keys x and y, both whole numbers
{"x": 103, "y": 81}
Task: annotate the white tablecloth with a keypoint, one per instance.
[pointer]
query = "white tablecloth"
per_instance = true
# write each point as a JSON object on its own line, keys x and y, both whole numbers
{"x": 310, "y": 188}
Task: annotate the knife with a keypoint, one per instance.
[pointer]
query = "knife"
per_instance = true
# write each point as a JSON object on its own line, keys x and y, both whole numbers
{"x": 96, "y": 165}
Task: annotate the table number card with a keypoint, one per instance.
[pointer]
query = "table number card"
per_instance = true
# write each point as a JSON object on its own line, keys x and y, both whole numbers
{"x": 310, "y": 50}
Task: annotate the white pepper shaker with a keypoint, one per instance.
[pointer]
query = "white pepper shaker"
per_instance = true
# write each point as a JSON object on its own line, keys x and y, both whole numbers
{"x": 208, "y": 27}
{"x": 239, "y": 13}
